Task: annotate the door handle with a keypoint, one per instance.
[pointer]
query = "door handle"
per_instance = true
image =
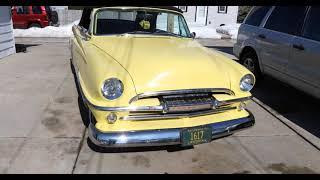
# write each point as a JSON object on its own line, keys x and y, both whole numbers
{"x": 262, "y": 36}
{"x": 298, "y": 46}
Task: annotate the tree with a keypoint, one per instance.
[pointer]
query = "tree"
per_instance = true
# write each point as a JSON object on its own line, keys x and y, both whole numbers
{"x": 242, "y": 13}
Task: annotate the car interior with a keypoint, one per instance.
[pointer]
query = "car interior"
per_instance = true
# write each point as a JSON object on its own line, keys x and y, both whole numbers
{"x": 120, "y": 26}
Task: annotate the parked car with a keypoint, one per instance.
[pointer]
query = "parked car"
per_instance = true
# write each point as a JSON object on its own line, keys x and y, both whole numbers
{"x": 144, "y": 81}
{"x": 24, "y": 17}
{"x": 52, "y": 15}
{"x": 283, "y": 42}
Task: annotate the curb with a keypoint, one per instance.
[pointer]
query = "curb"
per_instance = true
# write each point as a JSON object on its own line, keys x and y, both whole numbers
{"x": 310, "y": 138}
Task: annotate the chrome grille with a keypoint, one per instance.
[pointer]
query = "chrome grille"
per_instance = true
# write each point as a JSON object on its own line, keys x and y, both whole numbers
{"x": 187, "y": 102}
{"x": 176, "y": 104}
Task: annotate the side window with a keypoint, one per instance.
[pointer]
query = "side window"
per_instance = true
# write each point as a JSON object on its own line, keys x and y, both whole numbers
{"x": 312, "y": 27}
{"x": 176, "y": 25}
{"x": 162, "y": 21}
{"x": 256, "y": 15}
{"x": 36, "y": 10}
{"x": 22, "y": 9}
{"x": 170, "y": 23}
{"x": 182, "y": 30}
{"x": 286, "y": 19}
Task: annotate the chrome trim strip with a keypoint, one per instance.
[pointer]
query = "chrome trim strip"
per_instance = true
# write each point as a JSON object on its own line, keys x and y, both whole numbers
{"x": 143, "y": 117}
{"x": 162, "y": 137}
{"x": 183, "y": 91}
{"x": 226, "y": 102}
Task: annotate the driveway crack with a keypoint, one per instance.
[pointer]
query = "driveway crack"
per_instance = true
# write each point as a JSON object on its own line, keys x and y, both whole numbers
{"x": 79, "y": 150}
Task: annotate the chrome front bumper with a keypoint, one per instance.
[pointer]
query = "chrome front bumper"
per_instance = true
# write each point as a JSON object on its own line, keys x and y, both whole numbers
{"x": 163, "y": 137}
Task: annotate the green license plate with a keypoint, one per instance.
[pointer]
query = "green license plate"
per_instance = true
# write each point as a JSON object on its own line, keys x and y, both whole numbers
{"x": 197, "y": 135}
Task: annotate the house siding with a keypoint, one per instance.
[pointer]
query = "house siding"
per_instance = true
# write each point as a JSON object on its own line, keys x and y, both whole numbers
{"x": 7, "y": 43}
{"x": 214, "y": 19}
{"x": 190, "y": 14}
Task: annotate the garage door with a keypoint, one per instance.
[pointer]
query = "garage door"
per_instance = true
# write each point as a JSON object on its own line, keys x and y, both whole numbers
{"x": 7, "y": 45}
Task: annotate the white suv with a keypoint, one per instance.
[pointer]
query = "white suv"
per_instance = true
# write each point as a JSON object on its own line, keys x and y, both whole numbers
{"x": 283, "y": 42}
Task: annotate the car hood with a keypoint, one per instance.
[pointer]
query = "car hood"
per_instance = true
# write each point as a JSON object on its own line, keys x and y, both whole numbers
{"x": 165, "y": 63}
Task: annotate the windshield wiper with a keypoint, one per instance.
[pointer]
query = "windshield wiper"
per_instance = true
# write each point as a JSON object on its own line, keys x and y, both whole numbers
{"x": 166, "y": 33}
{"x": 136, "y": 32}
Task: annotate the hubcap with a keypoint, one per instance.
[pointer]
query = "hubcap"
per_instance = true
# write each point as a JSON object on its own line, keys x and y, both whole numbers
{"x": 248, "y": 63}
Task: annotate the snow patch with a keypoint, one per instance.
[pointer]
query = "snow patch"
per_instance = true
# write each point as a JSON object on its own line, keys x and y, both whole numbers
{"x": 66, "y": 31}
{"x": 49, "y": 31}
{"x": 229, "y": 29}
{"x": 204, "y": 32}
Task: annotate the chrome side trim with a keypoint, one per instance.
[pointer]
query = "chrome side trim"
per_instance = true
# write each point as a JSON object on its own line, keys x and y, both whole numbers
{"x": 183, "y": 91}
{"x": 174, "y": 116}
{"x": 162, "y": 137}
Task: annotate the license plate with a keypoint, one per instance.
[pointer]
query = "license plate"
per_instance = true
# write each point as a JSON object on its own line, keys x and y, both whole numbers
{"x": 198, "y": 135}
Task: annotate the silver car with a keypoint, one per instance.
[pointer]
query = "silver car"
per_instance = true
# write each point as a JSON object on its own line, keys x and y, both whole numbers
{"x": 283, "y": 42}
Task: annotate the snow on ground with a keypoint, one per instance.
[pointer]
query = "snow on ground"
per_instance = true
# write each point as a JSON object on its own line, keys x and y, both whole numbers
{"x": 66, "y": 31}
{"x": 204, "y": 32}
{"x": 229, "y": 29}
{"x": 49, "y": 31}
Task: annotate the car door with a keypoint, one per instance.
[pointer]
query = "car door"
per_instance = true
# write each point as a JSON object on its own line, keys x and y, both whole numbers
{"x": 37, "y": 15}
{"x": 22, "y": 17}
{"x": 276, "y": 38}
{"x": 304, "y": 64}
{"x": 17, "y": 16}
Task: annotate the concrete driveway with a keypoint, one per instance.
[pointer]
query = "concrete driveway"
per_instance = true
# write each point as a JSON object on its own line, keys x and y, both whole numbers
{"x": 42, "y": 130}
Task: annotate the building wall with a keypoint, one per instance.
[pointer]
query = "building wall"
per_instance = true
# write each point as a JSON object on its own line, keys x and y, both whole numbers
{"x": 190, "y": 14}
{"x": 67, "y": 16}
{"x": 215, "y": 19}
{"x": 7, "y": 43}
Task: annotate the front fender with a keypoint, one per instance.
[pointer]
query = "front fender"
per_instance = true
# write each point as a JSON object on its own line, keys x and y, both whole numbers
{"x": 235, "y": 71}
{"x": 98, "y": 67}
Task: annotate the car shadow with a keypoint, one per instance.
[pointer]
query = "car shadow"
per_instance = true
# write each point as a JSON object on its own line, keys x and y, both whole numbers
{"x": 225, "y": 49}
{"x": 23, "y": 47}
{"x": 296, "y": 106}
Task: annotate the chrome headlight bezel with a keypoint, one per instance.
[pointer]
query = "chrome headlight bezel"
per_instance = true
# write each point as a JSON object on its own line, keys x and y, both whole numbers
{"x": 247, "y": 82}
{"x": 112, "y": 94}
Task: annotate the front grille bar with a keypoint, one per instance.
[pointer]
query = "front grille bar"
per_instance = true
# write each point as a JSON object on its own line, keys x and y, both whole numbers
{"x": 138, "y": 117}
{"x": 181, "y": 92}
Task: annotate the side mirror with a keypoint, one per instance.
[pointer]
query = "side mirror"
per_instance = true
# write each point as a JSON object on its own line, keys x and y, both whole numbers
{"x": 193, "y": 35}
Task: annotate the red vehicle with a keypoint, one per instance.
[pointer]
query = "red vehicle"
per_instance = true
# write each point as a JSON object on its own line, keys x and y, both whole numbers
{"x": 30, "y": 16}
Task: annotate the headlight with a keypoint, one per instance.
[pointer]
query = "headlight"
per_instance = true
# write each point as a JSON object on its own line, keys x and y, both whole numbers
{"x": 247, "y": 82}
{"x": 112, "y": 88}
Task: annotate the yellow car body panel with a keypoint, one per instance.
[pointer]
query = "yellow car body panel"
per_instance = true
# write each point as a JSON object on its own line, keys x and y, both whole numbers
{"x": 150, "y": 63}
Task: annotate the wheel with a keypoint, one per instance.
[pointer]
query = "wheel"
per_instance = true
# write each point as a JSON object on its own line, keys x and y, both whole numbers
{"x": 36, "y": 25}
{"x": 250, "y": 60}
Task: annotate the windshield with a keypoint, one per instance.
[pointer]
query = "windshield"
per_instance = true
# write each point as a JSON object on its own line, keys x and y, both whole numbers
{"x": 152, "y": 22}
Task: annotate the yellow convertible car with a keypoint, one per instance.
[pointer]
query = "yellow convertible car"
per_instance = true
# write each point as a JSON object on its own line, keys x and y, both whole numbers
{"x": 145, "y": 81}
